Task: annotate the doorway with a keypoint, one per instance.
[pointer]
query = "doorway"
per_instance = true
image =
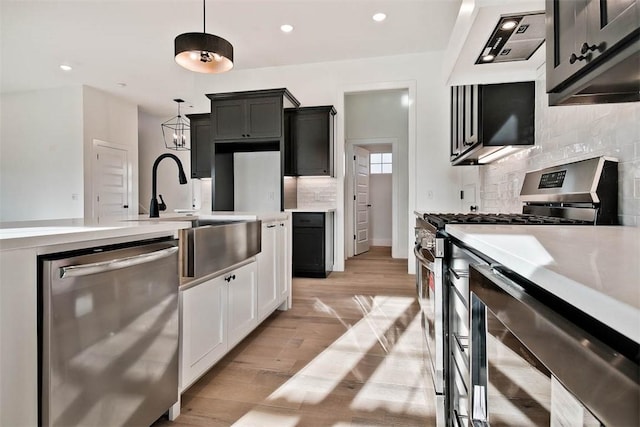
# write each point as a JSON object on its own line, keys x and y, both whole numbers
{"x": 111, "y": 181}
{"x": 377, "y": 122}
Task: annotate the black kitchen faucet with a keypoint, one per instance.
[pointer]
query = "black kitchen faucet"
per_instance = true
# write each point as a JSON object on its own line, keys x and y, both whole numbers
{"x": 154, "y": 211}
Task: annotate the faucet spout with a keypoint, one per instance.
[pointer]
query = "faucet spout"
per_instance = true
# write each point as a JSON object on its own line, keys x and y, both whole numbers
{"x": 154, "y": 211}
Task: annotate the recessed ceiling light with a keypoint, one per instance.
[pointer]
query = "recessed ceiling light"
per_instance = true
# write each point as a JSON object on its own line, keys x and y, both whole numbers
{"x": 286, "y": 28}
{"x": 65, "y": 67}
{"x": 122, "y": 84}
{"x": 488, "y": 58}
{"x": 379, "y": 17}
{"x": 509, "y": 25}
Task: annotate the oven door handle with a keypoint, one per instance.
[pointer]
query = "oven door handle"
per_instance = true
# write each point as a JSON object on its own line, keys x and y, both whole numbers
{"x": 417, "y": 251}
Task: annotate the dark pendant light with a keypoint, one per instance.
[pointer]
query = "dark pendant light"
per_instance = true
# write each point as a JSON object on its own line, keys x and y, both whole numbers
{"x": 175, "y": 131}
{"x": 202, "y": 52}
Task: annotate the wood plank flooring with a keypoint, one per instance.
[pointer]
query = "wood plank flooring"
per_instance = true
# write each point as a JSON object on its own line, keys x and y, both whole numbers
{"x": 349, "y": 353}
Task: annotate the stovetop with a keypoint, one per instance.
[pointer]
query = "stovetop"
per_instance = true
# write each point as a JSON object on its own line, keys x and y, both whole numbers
{"x": 439, "y": 220}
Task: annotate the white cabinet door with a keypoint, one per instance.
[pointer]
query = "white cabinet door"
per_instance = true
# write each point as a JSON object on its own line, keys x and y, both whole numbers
{"x": 283, "y": 262}
{"x": 203, "y": 332}
{"x": 243, "y": 302}
{"x": 268, "y": 292}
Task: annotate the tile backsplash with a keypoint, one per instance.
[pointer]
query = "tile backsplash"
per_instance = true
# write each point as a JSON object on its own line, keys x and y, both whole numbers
{"x": 566, "y": 134}
{"x": 317, "y": 191}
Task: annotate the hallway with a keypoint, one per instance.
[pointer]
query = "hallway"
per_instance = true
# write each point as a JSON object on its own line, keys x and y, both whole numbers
{"x": 347, "y": 354}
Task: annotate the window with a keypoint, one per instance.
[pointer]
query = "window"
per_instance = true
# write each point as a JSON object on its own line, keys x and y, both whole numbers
{"x": 380, "y": 162}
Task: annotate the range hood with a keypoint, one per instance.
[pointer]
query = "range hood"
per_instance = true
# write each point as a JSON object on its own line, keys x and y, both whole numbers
{"x": 515, "y": 38}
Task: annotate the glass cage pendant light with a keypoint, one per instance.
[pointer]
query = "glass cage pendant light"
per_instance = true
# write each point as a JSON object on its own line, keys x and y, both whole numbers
{"x": 175, "y": 131}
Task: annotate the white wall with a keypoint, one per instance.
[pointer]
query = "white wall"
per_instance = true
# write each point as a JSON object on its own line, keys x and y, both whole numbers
{"x": 150, "y": 146}
{"x": 380, "y": 197}
{"x": 41, "y": 155}
{"x": 112, "y": 120}
{"x": 46, "y": 149}
{"x": 566, "y": 134}
{"x": 326, "y": 83}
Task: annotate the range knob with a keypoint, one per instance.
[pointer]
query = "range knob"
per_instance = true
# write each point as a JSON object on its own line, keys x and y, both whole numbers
{"x": 428, "y": 242}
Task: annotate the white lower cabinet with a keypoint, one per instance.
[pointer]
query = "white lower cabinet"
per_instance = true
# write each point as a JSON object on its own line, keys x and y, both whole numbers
{"x": 242, "y": 315}
{"x": 203, "y": 333}
{"x": 273, "y": 268}
{"x": 283, "y": 261}
{"x": 268, "y": 292}
{"x": 215, "y": 316}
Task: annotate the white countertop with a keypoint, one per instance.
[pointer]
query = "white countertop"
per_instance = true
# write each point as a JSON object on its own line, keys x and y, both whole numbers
{"x": 594, "y": 268}
{"x": 30, "y": 234}
{"x": 312, "y": 209}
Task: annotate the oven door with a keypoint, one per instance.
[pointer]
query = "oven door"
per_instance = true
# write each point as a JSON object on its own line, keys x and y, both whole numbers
{"x": 429, "y": 286}
{"x": 531, "y": 366}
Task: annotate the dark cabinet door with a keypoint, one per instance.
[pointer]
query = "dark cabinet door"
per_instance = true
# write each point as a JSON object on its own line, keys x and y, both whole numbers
{"x": 312, "y": 144}
{"x": 308, "y": 251}
{"x": 228, "y": 119}
{"x": 592, "y": 51}
{"x": 312, "y": 137}
{"x": 309, "y": 244}
{"x": 471, "y": 102}
{"x": 201, "y": 141}
{"x": 568, "y": 21}
{"x": 464, "y": 118}
{"x": 289, "y": 167}
{"x": 255, "y": 118}
{"x": 263, "y": 118}
{"x": 454, "y": 121}
{"x": 609, "y": 22}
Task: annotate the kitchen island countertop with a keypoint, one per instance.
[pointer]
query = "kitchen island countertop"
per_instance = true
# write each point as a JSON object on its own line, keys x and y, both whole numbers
{"x": 314, "y": 209}
{"x": 43, "y": 233}
{"x": 594, "y": 268}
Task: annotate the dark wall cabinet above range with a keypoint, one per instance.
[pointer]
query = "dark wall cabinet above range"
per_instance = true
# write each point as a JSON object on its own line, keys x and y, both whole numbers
{"x": 201, "y": 140}
{"x": 309, "y": 141}
{"x": 488, "y": 118}
{"x": 593, "y": 51}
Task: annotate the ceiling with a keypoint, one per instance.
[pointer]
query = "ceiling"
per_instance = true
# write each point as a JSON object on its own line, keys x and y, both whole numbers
{"x": 125, "y": 47}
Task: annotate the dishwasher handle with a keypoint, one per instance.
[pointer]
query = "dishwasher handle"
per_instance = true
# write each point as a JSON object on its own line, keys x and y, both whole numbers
{"x": 114, "y": 264}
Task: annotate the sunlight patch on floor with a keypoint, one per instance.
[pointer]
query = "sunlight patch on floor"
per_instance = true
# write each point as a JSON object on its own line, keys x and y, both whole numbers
{"x": 257, "y": 418}
{"x": 392, "y": 378}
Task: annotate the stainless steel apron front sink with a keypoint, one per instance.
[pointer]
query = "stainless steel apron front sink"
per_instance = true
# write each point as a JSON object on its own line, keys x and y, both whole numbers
{"x": 213, "y": 245}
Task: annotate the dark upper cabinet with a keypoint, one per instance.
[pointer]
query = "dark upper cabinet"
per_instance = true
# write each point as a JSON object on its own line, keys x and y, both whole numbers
{"x": 593, "y": 51}
{"x": 310, "y": 143}
{"x": 201, "y": 141}
{"x": 464, "y": 118}
{"x": 250, "y": 115}
{"x": 487, "y": 118}
{"x": 247, "y": 118}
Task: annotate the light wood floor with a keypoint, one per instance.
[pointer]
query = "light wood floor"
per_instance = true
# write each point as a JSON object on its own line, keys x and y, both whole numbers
{"x": 349, "y": 353}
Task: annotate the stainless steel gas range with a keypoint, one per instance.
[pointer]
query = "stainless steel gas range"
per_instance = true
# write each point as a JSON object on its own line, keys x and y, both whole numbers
{"x": 579, "y": 193}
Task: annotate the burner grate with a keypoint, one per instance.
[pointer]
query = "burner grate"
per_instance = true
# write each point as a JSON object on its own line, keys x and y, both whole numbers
{"x": 442, "y": 219}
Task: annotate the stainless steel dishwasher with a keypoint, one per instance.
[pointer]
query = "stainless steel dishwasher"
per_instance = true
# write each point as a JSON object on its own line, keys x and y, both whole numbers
{"x": 109, "y": 335}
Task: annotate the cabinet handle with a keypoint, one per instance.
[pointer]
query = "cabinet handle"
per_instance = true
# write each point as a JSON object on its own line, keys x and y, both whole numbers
{"x": 573, "y": 58}
{"x": 230, "y": 278}
{"x": 271, "y": 226}
{"x": 586, "y": 48}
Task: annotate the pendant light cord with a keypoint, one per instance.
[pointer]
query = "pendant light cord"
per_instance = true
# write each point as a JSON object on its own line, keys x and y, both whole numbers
{"x": 204, "y": 17}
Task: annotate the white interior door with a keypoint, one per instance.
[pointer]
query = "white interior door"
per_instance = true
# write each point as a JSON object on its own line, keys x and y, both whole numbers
{"x": 112, "y": 192}
{"x": 361, "y": 202}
